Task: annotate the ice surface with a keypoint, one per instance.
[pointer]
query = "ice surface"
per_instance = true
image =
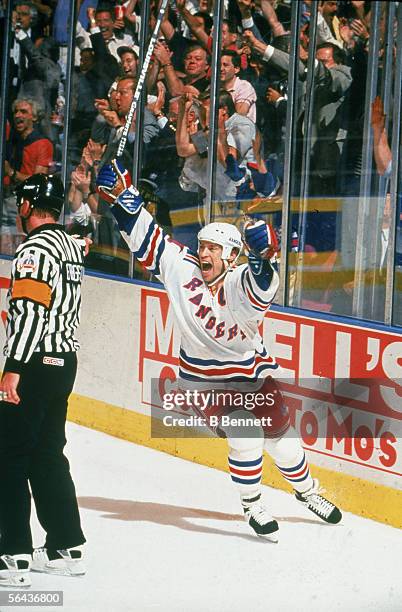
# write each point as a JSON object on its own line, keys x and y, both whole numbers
{"x": 167, "y": 534}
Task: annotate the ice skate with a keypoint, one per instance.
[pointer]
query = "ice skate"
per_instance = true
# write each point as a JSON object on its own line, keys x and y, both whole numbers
{"x": 324, "y": 509}
{"x": 259, "y": 519}
{"x": 61, "y": 562}
{"x": 14, "y": 571}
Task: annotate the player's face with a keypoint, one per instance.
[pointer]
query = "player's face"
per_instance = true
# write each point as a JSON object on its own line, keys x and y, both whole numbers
{"x": 210, "y": 255}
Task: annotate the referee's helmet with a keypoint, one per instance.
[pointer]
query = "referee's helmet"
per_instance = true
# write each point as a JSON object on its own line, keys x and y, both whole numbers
{"x": 43, "y": 191}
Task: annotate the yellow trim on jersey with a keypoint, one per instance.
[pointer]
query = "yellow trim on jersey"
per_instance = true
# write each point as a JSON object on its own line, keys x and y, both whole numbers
{"x": 352, "y": 494}
{"x": 33, "y": 290}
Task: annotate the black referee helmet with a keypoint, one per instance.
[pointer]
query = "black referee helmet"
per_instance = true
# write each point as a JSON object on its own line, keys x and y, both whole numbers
{"x": 43, "y": 191}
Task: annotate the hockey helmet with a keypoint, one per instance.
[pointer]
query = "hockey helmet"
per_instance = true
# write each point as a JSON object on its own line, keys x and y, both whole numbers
{"x": 42, "y": 191}
{"x": 224, "y": 234}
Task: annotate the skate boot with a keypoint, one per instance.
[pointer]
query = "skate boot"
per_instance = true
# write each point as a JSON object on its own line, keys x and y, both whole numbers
{"x": 66, "y": 562}
{"x": 260, "y": 521}
{"x": 14, "y": 571}
{"x": 326, "y": 510}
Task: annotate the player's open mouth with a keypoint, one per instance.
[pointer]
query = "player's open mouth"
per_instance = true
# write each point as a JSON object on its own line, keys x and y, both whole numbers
{"x": 205, "y": 267}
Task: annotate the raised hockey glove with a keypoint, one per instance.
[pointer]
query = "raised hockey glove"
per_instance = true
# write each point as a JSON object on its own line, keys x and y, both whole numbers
{"x": 260, "y": 239}
{"x": 114, "y": 185}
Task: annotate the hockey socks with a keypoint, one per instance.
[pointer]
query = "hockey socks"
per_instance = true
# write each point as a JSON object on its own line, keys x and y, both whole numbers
{"x": 246, "y": 475}
{"x": 298, "y": 475}
{"x": 289, "y": 457}
{"x": 291, "y": 461}
{"x": 245, "y": 470}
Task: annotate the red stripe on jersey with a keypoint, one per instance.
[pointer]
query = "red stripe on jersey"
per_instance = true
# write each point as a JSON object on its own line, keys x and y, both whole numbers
{"x": 150, "y": 256}
{"x": 228, "y": 370}
{"x": 257, "y": 304}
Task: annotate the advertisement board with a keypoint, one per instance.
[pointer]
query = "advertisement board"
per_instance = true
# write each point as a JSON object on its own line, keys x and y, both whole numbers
{"x": 341, "y": 381}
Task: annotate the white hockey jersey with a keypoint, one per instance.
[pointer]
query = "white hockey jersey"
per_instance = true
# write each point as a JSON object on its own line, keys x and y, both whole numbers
{"x": 219, "y": 333}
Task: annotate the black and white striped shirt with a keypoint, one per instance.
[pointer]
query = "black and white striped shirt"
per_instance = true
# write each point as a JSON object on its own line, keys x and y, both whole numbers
{"x": 44, "y": 298}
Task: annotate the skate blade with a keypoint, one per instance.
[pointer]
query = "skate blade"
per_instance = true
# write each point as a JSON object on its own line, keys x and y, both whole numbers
{"x": 269, "y": 537}
{"x": 16, "y": 583}
{"x": 59, "y": 571}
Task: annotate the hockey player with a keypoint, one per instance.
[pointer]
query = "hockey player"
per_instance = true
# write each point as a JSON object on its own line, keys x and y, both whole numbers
{"x": 44, "y": 302}
{"x": 218, "y": 308}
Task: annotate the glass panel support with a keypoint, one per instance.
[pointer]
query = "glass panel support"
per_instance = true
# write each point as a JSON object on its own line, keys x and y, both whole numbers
{"x": 4, "y": 88}
{"x": 68, "y": 93}
{"x": 395, "y": 180}
{"x": 366, "y": 256}
{"x": 290, "y": 149}
{"x": 306, "y": 156}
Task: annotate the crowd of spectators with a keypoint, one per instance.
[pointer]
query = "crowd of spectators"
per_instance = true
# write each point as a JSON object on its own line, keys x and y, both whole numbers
{"x": 253, "y": 96}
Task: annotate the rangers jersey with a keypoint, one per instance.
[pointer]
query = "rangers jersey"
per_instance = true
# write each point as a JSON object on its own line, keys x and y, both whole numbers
{"x": 219, "y": 332}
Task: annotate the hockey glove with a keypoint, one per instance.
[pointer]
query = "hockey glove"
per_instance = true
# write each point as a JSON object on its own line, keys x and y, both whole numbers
{"x": 114, "y": 185}
{"x": 260, "y": 239}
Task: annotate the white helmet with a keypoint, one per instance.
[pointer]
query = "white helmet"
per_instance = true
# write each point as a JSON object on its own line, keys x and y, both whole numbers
{"x": 224, "y": 234}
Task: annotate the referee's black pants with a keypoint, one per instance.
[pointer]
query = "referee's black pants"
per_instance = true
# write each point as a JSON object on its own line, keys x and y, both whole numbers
{"x": 32, "y": 438}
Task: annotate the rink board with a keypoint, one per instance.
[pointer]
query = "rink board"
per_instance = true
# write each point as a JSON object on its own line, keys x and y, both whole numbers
{"x": 341, "y": 387}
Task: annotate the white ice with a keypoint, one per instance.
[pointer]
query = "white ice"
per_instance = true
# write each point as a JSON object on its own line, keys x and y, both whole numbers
{"x": 167, "y": 535}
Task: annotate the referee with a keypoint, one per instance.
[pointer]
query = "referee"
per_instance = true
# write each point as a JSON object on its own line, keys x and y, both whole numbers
{"x": 44, "y": 302}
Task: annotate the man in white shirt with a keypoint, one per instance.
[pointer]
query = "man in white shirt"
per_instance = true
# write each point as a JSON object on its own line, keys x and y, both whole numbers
{"x": 101, "y": 20}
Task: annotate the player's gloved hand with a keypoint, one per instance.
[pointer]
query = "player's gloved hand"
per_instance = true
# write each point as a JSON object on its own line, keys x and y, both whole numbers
{"x": 260, "y": 239}
{"x": 114, "y": 185}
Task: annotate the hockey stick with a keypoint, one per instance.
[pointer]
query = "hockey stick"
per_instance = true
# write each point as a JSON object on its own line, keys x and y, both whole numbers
{"x": 141, "y": 79}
